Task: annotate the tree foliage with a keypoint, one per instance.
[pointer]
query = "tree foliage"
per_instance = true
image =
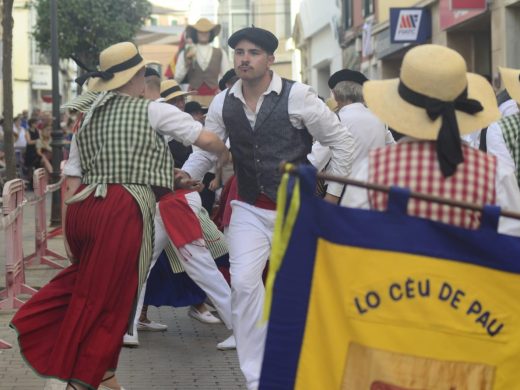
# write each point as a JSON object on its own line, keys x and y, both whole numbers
{"x": 87, "y": 27}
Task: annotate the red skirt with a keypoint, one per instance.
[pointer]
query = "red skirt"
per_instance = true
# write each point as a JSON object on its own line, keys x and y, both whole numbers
{"x": 72, "y": 329}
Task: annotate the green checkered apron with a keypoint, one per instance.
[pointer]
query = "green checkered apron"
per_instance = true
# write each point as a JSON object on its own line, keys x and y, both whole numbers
{"x": 510, "y": 126}
{"x": 117, "y": 145}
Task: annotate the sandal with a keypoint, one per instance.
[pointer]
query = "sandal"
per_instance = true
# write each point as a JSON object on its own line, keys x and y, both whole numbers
{"x": 102, "y": 387}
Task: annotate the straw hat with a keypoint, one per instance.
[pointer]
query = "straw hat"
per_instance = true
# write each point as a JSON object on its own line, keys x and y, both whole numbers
{"x": 170, "y": 89}
{"x": 204, "y": 25}
{"x": 117, "y": 65}
{"x": 511, "y": 80}
{"x": 436, "y": 72}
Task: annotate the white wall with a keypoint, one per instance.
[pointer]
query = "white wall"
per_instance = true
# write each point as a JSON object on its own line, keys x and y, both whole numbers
{"x": 21, "y": 59}
{"x": 325, "y": 53}
{"x": 319, "y": 32}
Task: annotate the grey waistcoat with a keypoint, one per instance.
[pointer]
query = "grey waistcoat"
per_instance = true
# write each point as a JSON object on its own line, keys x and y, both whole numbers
{"x": 257, "y": 152}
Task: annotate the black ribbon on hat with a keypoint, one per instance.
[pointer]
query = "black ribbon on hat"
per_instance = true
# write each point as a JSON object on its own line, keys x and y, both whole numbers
{"x": 448, "y": 145}
{"x": 169, "y": 91}
{"x": 110, "y": 72}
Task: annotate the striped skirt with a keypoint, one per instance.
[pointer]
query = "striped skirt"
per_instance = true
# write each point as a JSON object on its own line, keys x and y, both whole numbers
{"x": 72, "y": 329}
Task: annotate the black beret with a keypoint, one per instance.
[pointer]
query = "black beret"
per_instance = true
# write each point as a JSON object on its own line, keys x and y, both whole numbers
{"x": 227, "y": 76}
{"x": 347, "y": 75}
{"x": 194, "y": 106}
{"x": 263, "y": 38}
{"x": 151, "y": 72}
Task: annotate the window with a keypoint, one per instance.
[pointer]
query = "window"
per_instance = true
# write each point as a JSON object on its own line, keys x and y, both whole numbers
{"x": 347, "y": 13}
{"x": 368, "y": 8}
{"x": 154, "y": 20}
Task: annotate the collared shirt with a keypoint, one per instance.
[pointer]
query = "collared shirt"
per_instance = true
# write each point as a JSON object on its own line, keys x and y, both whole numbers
{"x": 369, "y": 132}
{"x": 166, "y": 119}
{"x": 497, "y": 147}
{"x": 506, "y": 188}
{"x": 306, "y": 110}
{"x": 509, "y": 107}
{"x": 203, "y": 57}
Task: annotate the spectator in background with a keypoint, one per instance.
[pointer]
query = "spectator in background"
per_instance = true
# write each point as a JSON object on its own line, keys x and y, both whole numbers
{"x": 44, "y": 150}
{"x": 32, "y": 159}
{"x": 19, "y": 144}
{"x": 25, "y": 119}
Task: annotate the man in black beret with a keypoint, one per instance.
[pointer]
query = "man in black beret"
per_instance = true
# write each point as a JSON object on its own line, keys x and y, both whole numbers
{"x": 267, "y": 119}
{"x": 347, "y": 75}
{"x": 369, "y": 132}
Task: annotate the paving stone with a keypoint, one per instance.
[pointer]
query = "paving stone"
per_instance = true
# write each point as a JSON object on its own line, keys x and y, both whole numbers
{"x": 184, "y": 357}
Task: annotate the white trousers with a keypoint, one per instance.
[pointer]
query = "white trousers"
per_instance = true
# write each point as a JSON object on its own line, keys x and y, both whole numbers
{"x": 249, "y": 238}
{"x": 198, "y": 264}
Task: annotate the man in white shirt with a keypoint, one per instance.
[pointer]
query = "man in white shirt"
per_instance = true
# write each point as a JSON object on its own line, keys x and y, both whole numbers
{"x": 267, "y": 119}
{"x": 369, "y": 132}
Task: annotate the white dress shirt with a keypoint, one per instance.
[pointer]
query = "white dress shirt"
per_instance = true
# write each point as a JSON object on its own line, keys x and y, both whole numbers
{"x": 203, "y": 58}
{"x": 369, "y": 132}
{"x": 506, "y": 187}
{"x": 305, "y": 109}
{"x": 509, "y": 107}
{"x": 164, "y": 118}
{"x": 496, "y": 145}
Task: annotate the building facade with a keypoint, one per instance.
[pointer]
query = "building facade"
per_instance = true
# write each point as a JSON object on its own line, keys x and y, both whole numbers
{"x": 317, "y": 35}
{"x": 485, "y": 34}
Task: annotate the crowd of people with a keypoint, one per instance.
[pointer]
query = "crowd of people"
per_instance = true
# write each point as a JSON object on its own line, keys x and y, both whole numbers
{"x": 137, "y": 168}
{"x": 32, "y": 141}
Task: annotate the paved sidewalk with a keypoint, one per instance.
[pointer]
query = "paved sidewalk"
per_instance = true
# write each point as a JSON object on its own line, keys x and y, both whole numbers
{"x": 184, "y": 357}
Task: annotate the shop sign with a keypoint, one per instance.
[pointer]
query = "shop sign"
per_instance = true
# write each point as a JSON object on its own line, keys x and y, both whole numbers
{"x": 450, "y": 16}
{"x": 412, "y": 25}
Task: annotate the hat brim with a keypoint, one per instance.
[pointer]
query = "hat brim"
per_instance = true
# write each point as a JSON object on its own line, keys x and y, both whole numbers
{"x": 511, "y": 79}
{"x": 216, "y": 29}
{"x": 176, "y": 94}
{"x": 120, "y": 78}
{"x": 383, "y": 99}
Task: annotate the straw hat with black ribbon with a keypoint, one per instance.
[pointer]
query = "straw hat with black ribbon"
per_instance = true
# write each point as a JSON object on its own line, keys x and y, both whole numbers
{"x": 511, "y": 79}
{"x": 170, "y": 89}
{"x": 203, "y": 25}
{"x": 117, "y": 65}
{"x": 434, "y": 99}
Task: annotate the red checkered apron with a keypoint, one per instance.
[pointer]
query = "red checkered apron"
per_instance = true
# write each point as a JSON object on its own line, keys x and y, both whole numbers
{"x": 414, "y": 165}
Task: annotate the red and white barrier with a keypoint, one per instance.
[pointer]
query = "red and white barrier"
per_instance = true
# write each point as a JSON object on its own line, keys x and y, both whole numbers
{"x": 42, "y": 253}
{"x": 13, "y": 198}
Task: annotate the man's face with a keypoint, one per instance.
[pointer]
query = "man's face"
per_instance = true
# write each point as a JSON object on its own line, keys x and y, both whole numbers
{"x": 251, "y": 61}
{"x": 202, "y": 37}
{"x": 179, "y": 102}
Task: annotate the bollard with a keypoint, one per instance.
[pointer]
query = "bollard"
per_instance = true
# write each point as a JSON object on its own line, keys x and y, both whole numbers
{"x": 41, "y": 252}
{"x": 13, "y": 197}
